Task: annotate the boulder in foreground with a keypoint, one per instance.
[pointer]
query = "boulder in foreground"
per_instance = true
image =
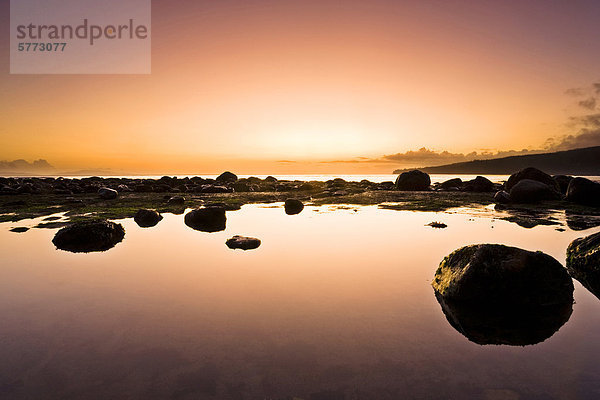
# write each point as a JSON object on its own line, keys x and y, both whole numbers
{"x": 495, "y": 294}
{"x": 242, "y": 242}
{"x": 85, "y": 237}
{"x": 146, "y": 218}
{"x": 413, "y": 180}
{"x": 293, "y": 206}
{"x": 583, "y": 262}
{"x": 207, "y": 219}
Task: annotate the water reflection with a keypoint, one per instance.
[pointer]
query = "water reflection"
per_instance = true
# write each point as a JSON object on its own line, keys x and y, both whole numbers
{"x": 509, "y": 325}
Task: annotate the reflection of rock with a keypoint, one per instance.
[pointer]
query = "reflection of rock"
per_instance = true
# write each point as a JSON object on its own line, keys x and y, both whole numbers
{"x": 495, "y": 294}
{"x": 582, "y": 222}
{"x": 147, "y": 218}
{"x": 293, "y": 206}
{"x": 242, "y": 242}
{"x": 84, "y": 237}
{"x": 583, "y": 262}
{"x": 208, "y": 219}
{"x": 413, "y": 180}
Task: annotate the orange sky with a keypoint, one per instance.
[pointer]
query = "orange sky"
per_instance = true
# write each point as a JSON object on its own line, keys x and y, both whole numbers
{"x": 242, "y": 85}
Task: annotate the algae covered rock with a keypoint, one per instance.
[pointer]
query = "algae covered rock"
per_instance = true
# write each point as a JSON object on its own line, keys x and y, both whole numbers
{"x": 496, "y": 294}
{"x": 583, "y": 262}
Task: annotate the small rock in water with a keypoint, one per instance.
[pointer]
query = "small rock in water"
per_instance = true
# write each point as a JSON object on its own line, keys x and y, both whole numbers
{"x": 147, "y": 218}
{"x": 435, "y": 224}
{"x": 207, "y": 219}
{"x": 293, "y": 206}
{"x": 19, "y": 229}
{"x": 85, "y": 237}
{"x": 107, "y": 193}
{"x": 243, "y": 242}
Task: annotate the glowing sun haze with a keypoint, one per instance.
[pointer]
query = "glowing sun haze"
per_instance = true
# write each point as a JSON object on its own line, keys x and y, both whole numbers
{"x": 245, "y": 85}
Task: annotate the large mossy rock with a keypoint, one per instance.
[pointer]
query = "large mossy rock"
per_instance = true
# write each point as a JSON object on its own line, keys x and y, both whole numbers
{"x": 495, "y": 294}
{"x": 583, "y": 262}
{"x": 584, "y": 191}
{"x": 85, "y": 237}
{"x": 207, "y": 219}
{"x": 533, "y": 174}
{"x": 413, "y": 180}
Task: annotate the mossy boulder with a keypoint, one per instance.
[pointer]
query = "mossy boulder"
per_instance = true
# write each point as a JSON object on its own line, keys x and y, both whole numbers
{"x": 583, "y": 262}
{"x": 89, "y": 236}
{"x": 496, "y": 294}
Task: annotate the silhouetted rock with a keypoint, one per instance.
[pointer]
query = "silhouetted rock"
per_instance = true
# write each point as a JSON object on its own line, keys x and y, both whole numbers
{"x": 455, "y": 183}
{"x": 270, "y": 179}
{"x": 215, "y": 189}
{"x": 413, "y": 180}
{"x": 293, "y": 206}
{"x": 227, "y": 177}
{"x": 530, "y": 191}
{"x": 242, "y": 242}
{"x": 84, "y": 237}
{"x": 583, "y": 262}
{"x": 207, "y": 219}
{"x": 147, "y": 218}
{"x": 479, "y": 184}
{"x": 107, "y": 193}
{"x": 502, "y": 197}
{"x": 533, "y": 174}
{"x": 176, "y": 201}
{"x": 19, "y": 229}
{"x": 563, "y": 182}
{"x": 495, "y": 294}
{"x": 584, "y": 191}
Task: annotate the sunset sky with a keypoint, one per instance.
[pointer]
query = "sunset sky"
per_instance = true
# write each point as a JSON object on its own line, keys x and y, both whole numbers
{"x": 313, "y": 86}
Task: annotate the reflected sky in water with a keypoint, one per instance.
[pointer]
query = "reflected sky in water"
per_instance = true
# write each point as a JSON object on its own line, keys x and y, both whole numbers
{"x": 336, "y": 303}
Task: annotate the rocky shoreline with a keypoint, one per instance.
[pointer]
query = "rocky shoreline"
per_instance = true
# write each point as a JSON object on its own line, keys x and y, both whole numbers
{"x": 526, "y": 198}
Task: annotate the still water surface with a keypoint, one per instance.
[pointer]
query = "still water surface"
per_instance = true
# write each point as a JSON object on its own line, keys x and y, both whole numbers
{"x": 335, "y": 304}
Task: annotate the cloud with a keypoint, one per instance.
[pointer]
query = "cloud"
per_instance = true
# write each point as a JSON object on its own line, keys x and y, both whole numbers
{"x": 589, "y": 103}
{"x": 23, "y": 166}
{"x": 576, "y": 92}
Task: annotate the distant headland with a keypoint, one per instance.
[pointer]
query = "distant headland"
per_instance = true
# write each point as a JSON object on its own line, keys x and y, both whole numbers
{"x": 585, "y": 161}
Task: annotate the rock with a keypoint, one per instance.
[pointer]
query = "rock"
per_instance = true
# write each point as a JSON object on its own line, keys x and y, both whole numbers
{"x": 495, "y": 294}
{"x": 215, "y": 189}
{"x": 533, "y": 174}
{"x": 143, "y": 188}
{"x": 563, "y": 182}
{"x": 19, "y": 229}
{"x": 207, "y": 219}
{"x": 502, "y": 197}
{"x": 227, "y": 177}
{"x": 84, "y": 237}
{"x": 439, "y": 225}
{"x": 479, "y": 184}
{"x": 107, "y": 193}
{"x": 241, "y": 187}
{"x": 176, "y": 201}
{"x": 583, "y": 262}
{"x": 242, "y": 242}
{"x": 584, "y": 191}
{"x": 452, "y": 183}
{"x": 293, "y": 206}
{"x": 530, "y": 191}
{"x": 413, "y": 180}
{"x": 147, "y": 218}
{"x": 270, "y": 179}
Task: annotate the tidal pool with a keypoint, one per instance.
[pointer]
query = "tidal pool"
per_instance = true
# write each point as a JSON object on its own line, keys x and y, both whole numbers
{"x": 336, "y": 303}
